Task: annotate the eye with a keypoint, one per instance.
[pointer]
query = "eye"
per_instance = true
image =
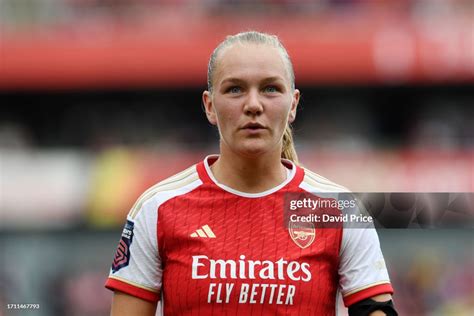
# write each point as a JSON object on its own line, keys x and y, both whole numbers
{"x": 271, "y": 89}
{"x": 234, "y": 89}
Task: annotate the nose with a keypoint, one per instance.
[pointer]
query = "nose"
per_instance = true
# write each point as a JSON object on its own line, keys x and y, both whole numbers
{"x": 253, "y": 104}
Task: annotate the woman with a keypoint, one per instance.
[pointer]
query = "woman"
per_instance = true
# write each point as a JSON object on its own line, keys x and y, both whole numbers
{"x": 210, "y": 239}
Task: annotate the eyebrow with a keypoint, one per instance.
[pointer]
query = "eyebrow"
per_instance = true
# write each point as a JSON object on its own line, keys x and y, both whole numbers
{"x": 264, "y": 81}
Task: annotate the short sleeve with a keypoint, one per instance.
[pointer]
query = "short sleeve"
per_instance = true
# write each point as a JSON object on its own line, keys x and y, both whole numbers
{"x": 362, "y": 270}
{"x": 136, "y": 268}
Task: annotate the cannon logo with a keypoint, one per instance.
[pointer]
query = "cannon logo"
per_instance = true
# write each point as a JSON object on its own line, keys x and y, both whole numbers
{"x": 122, "y": 256}
{"x": 303, "y": 234}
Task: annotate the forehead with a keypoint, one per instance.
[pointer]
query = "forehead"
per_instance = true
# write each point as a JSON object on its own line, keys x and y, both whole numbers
{"x": 249, "y": 60}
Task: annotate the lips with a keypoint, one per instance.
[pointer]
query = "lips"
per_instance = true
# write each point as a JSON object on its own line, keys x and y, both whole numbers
{"x": 253, "y": 126}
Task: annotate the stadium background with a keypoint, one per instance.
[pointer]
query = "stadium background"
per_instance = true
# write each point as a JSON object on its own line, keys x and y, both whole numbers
{"x": 100, "y": 99}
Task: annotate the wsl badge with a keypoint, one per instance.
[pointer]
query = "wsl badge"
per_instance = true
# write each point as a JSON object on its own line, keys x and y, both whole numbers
{"x": 303, "y": 234}
{"x": 122, "y": 255}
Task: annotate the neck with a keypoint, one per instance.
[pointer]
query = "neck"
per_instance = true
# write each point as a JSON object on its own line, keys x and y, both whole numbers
{"x": 249, "y": 174}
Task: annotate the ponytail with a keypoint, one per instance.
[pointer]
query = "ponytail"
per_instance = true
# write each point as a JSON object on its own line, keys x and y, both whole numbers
{"x": 288, "y": 149}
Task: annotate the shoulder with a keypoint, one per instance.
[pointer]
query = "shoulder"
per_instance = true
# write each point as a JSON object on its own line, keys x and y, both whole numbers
{"x": 178, "y": 184}
{"x": 316, "y": 183}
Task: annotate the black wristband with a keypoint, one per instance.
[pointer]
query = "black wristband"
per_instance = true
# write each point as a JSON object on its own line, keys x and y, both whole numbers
{"x": 365, "y": 307}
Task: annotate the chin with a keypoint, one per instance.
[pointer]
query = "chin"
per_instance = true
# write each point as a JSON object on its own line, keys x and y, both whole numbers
{"x": 253, "y": 150}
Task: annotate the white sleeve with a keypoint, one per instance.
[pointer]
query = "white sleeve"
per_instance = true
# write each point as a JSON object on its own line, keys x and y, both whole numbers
{"x": 136, "y": 269}
{"x": 362, "y": 270}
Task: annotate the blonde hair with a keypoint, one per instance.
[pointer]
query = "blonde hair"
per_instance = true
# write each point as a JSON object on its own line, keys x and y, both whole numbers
{"x": 288, "y": 148}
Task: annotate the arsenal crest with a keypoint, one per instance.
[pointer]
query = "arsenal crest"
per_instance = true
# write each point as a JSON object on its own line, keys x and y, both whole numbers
{"x": 303, "y": 234}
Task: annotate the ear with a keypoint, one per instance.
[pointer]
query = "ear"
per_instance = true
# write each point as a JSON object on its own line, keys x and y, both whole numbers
{"x": 294, "y": 105}
{"x": 209, "y": 107}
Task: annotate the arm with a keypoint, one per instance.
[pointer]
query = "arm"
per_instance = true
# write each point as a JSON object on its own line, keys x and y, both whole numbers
{"x": 362, "y": 271}
{"x": 135, "y": 275}
{"x": 124, "y": 304}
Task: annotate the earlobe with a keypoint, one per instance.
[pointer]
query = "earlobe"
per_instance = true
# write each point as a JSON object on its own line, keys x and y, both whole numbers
{"x": 209, "y": 108}
{"x": 291, "y": 118}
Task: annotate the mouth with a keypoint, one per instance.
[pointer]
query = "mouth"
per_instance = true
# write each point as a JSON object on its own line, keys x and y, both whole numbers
{"x": 253, "y": 126}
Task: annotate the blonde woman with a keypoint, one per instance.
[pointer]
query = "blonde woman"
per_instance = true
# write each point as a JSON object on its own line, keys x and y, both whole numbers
{"x": 211, "y": 240}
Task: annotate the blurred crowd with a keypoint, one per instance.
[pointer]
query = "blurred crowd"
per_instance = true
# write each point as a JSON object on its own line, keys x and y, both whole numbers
{"x": 364, "y": 118}
{"x": 27, "y": 13}
{"x": 427, "y": 281}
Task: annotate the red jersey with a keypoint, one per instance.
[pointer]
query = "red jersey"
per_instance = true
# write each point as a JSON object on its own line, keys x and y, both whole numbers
{"x": 203, "y": 248}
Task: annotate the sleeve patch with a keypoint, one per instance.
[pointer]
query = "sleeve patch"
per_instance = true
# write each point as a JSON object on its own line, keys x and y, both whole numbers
{"x": 122, "y": 255}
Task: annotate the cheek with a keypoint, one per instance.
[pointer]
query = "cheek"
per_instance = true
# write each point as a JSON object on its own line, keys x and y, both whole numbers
{"x": 227, "y": 115}
{"x": 282, "y": 110}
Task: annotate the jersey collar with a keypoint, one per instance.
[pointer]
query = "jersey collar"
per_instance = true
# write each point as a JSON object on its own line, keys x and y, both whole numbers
{"x": 293, "y": 180}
